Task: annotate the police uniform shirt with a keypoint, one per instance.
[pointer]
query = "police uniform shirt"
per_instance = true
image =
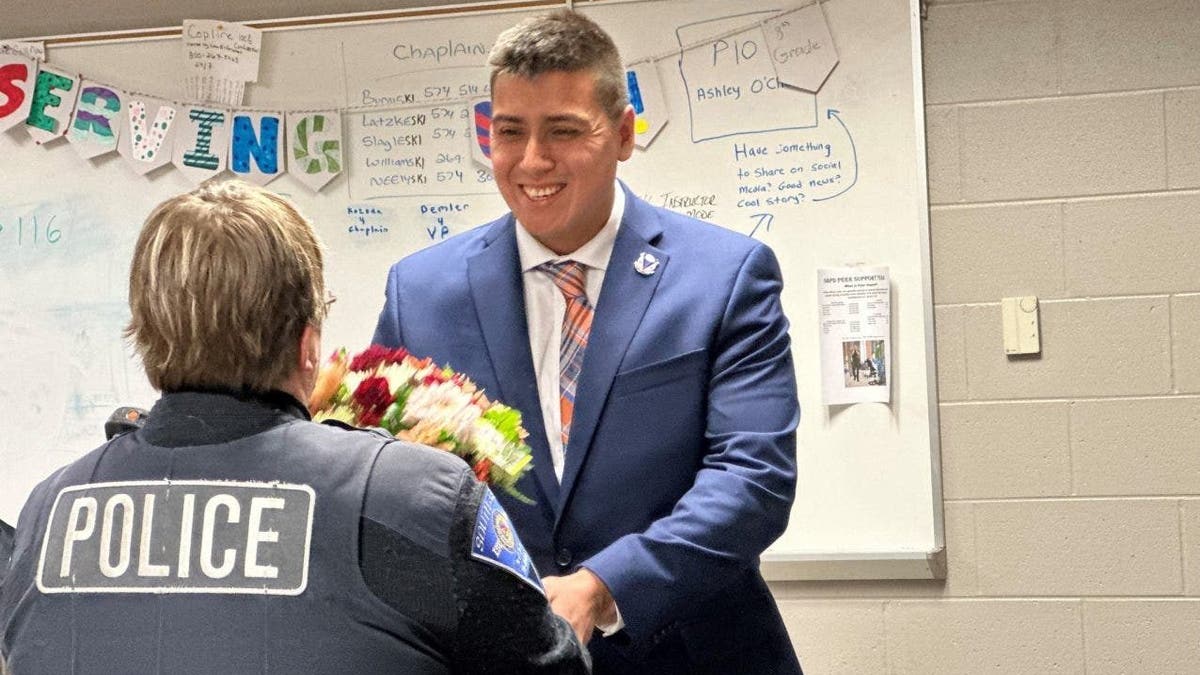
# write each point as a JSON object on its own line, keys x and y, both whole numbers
{"x": 449, "y": 590}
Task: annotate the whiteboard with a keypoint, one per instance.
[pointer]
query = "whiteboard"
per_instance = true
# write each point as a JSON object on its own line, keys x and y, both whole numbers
{"x": 868, "y": 497}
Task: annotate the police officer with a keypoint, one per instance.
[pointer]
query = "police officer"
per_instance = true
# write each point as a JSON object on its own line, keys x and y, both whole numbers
{"x": 230, "y": 534}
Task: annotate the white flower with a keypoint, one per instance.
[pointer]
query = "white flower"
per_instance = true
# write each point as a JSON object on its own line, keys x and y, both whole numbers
{"x": 397, "y": 373}
{"x": 447, "y": 404}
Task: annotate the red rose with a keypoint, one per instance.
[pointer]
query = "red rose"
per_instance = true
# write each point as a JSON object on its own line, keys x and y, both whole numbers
{"x": 372, "y": 396}
{"x": 370, "y": 358}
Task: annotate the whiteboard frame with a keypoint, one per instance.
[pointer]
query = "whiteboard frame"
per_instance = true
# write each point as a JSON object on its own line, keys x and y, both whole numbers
{"x": 928, "y": 564}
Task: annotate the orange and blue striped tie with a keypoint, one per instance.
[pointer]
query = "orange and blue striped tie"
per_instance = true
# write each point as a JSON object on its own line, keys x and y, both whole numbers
{"x": 568, "y": 275}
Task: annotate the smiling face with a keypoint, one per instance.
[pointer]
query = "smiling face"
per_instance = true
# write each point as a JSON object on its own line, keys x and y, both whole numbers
{"x": 555, "y": 154}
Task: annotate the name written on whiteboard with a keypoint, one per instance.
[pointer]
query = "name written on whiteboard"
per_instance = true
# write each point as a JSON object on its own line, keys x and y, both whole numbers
{"x": 735, "y": 53}
{"x": 436, "y": 215}
{"x": 370, "y": 97}
{"x": 366, "y": 221}
{"x": 393, "y": 120}
{"x": 415, "y": 152}
{"x": 26, "y": 231}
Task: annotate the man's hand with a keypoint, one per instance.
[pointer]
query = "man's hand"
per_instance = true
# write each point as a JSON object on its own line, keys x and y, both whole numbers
{"x": 583, "y": 600}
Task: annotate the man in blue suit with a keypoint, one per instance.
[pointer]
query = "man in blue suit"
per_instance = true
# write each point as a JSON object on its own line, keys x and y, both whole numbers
{"x": 649, "y": 355}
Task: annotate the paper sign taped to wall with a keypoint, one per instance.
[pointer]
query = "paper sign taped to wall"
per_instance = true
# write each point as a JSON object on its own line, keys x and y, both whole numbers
{"x": 219, "y": 57}
{"x": 855, "y": 319}
{"x": 801, "y": 47}
{"x": 649, "y": 104}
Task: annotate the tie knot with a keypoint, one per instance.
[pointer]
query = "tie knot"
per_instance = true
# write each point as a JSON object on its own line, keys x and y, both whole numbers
{"x": 568, "y": 275}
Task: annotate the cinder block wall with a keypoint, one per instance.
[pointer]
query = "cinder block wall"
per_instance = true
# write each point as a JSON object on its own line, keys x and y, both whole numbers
{"x": 1064, "y": 162}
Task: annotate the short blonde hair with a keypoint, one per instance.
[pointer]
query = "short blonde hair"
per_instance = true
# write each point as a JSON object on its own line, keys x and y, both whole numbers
{"x": 563, "y": 41}
{"x": 224, "y": 280}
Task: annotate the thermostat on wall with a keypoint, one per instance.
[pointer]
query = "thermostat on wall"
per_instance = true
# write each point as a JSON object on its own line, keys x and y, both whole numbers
{"x": 1021, "y": 332}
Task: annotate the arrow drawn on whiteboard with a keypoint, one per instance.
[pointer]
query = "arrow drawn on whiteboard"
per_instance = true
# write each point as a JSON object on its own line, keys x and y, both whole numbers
{"x": 762, "y": 219}
{"x": 833, "y": 114}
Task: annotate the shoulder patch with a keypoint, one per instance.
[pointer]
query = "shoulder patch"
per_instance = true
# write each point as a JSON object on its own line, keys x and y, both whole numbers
{"x": 495, "y": 542}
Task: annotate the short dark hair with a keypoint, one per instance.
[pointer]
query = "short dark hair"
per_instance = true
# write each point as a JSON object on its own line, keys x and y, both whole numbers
{"x": 563, "y": 41}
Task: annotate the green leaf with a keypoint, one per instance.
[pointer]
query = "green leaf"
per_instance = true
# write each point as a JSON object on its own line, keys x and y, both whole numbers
{"x": 506, "y": 420}
{"x": 447, "y": 437}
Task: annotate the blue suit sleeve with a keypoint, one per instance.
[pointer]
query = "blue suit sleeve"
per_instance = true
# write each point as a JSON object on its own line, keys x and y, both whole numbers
{"x": 387, "y": 329}
{"x": 742, "y": 495}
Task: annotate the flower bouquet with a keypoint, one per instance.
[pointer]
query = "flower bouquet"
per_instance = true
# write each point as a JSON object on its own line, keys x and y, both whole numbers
{"x": 418, "y": 401}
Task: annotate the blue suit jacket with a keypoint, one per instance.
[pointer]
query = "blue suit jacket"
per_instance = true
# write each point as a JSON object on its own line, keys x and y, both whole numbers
{"x": 681, "y": 463}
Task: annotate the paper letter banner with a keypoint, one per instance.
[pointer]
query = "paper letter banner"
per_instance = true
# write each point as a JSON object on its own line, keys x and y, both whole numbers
{"x": 256, "y": 148}
{"x": 148, "y": 136}
{"x": 646, "y": 97}
{"x": 35, "y": 51}
{"x": 481, "y": 147}
{"x": 97, "y": 121}
{"x": 54, "y": 95}
{"x": 801, "y": 47}
{"x": 202, "y": 142}
{"x": 16, "y": 88}
{"x": 315, "y": 140}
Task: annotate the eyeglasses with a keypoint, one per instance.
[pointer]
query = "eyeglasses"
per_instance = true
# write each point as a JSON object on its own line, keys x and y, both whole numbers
{"x": 330, "y": 298}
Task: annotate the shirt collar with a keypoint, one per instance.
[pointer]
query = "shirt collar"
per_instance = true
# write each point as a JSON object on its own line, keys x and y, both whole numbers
{"x": 594, "y": 254}
{"x": 199, "y": 416}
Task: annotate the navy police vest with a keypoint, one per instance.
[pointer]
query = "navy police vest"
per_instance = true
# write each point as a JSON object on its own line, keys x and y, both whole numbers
{"x": 239, "y": 557}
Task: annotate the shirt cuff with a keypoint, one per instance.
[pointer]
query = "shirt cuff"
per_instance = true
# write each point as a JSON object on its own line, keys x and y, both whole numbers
{"x": 610, "y": 629}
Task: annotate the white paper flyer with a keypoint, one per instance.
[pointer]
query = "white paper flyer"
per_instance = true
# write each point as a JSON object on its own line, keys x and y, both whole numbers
{"x": 220, "y": 57}
{"x": 856, "y": 343}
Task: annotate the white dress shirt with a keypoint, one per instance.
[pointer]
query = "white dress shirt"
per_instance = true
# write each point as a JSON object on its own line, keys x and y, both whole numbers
{"x": 544, "y": 310}
{"x": 545, "y": 307}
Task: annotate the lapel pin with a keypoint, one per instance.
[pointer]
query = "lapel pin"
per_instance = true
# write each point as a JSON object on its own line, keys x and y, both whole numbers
{"x": 646, "y": 264}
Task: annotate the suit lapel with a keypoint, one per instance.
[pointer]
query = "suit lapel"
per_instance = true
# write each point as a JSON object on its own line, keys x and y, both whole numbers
{"x": 499, "y": 298}
{"x": 623, "y": 301}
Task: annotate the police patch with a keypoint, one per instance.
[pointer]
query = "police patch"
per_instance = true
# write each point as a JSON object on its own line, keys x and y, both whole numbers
{"x": 496, "y": 543}
{"x": 178, "y": 537}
